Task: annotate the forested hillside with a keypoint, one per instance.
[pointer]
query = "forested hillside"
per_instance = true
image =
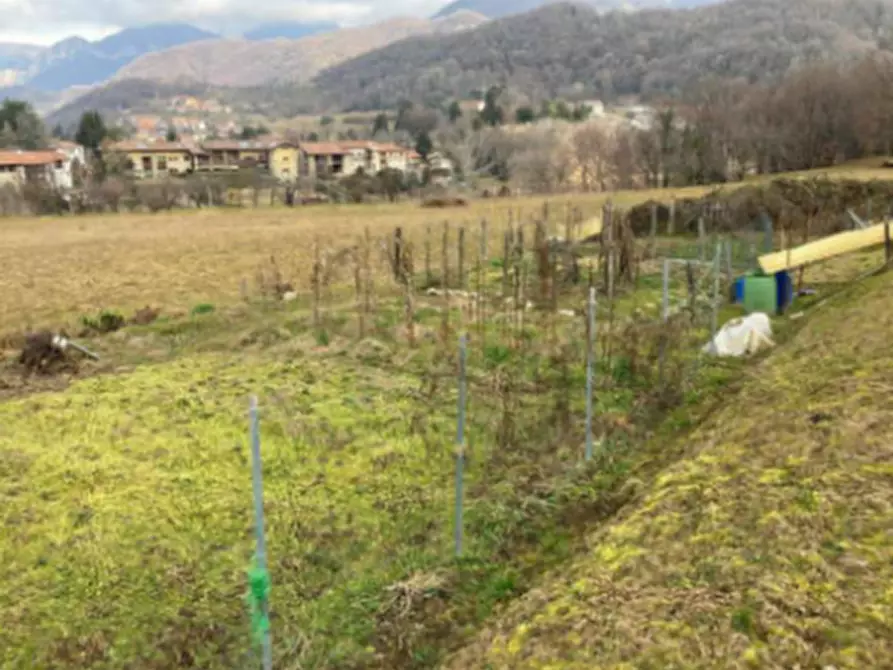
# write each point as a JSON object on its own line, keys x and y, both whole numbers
{"x": 565, "y": 49}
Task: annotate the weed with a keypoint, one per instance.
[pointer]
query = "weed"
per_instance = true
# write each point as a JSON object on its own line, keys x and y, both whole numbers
{"x": 106, "y": 322}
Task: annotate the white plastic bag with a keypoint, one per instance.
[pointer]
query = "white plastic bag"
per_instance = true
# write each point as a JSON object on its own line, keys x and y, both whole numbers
{"x": 743, "y": 336}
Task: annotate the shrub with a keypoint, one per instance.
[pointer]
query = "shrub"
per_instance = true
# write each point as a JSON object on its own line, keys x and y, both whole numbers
{"x": 106, "y": 322}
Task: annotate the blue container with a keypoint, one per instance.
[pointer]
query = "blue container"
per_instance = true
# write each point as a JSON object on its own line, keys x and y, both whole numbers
{"x": 785, "y": 290}
{"x": 739, "y": 290}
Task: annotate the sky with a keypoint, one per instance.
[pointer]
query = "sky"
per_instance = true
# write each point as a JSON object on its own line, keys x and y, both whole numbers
{"x": 47, "y": 21}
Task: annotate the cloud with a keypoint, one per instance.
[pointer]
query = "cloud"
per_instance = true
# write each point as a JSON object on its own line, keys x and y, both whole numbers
{"x": 47, "y": 21}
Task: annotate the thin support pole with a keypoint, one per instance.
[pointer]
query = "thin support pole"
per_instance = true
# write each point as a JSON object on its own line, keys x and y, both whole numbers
{"x": 714, "y": 311}
{"x": 888, "y": 247}
{"x": 730, "y": 274}
{"x": 589, "y": 373}
{"x": 460, "y": 445}
{"x": 261, "y": 554}
{"x": 664, "y": 317}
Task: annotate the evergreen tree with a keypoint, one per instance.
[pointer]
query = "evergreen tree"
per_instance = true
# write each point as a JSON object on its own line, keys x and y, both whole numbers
{"x": 381, "y": 124}
{"x": 492, "y": 113}
{"x": 20, "y": 126}
{"x": 91, "y": 130}
{"x": 424, "y": 145}
{"x": 454, "y": 112}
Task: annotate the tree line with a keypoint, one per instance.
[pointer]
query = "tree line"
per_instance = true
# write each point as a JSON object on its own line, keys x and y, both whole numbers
{"x": 815, "y": 117}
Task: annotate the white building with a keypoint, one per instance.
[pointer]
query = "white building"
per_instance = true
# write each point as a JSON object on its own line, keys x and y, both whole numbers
{"x": 52, "y": 167}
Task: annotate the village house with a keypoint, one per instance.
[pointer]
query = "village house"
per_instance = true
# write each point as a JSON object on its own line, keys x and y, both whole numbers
{"x": 74, "y": 156}
{"x": 157, "y": 159}
{"x": 322, "y": 159}
{"x": 347, "y": 158}
{"x": 440, "y": 168}
{"x": 283, "y": 160}
{"x": 51, "y": 168}
{"x": 278, "y": 157}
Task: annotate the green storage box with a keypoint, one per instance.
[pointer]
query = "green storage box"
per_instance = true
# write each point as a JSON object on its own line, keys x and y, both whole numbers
{"x": 760, "y": 294}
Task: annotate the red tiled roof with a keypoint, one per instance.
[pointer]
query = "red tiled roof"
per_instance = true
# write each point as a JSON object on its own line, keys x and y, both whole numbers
{"x": 390, "y": 147}
{"x": 258, "y": 144}
{"x": 169, "y": 147}
{"x": 29, "y": 158}
{"x": 342, "y": 147}
{"x": 324, "y": 148}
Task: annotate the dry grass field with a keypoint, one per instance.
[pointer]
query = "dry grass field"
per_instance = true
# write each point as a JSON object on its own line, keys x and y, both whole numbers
{"x": 58, "y": 269}
{"x": 55, "y": 270}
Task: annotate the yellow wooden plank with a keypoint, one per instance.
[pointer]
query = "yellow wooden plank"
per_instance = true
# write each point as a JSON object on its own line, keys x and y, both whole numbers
{"x": 821, "y": 250}
{"x": 591, "y": 227}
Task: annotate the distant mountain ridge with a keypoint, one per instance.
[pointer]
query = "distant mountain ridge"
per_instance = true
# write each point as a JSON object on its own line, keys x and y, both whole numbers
{"x": 290, "y": 30}
{"x": 499, "y": 8}
{"x": 241, "y": 62}
{"x": 77, "y": 62}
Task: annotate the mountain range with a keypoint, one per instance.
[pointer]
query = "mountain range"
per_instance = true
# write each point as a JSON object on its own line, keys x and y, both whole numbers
{"x": 78, "y": 62}
{"x": 499, "y": 8}
{"x": 230, "y": 62}
{"x": 573, "y": 51}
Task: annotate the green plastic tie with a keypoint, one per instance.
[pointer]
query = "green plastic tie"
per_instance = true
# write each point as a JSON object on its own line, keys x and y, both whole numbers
{"x": 258, "y": 593}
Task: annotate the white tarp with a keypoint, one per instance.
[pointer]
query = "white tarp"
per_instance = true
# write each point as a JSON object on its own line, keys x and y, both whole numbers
{"x": 740, "y": 337}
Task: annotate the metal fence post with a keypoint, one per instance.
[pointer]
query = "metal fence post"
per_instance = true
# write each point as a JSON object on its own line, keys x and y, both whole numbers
{"x": 714, "y": 313}
{"x": 589, "y": 372}
{"x": 257, "y": 483}
{"x": 460, "y": 445}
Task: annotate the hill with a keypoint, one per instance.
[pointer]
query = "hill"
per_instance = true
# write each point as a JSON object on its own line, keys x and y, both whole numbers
{"x": 566, "y": 49}
{"x": 498, "y": 8}
{"x": 112, "y": 99}
{"x": 228, "y": 62}
{"x": 290, "y": 30}
{"x": 768, "y": 545}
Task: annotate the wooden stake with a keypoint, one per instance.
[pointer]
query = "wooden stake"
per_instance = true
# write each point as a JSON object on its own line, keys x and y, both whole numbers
{"x": 358, "y": 287}
{"x": 428, "y": 278}
{"x": 315, "y": 282}
{"x": 461, "y": 252}
{"x": 671, "y": 219}
{"x": 367, "y": 273}
{"x": 445, "y": 270}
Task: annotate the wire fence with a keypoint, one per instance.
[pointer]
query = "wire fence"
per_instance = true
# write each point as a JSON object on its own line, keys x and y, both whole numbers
{"x": 553, "y": 347}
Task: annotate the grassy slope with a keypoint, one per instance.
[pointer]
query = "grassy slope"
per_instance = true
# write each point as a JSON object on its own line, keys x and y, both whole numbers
{"x": 770, "y": 545}
{"x": 127, "y": 519}
{"x": 127, "y": 510}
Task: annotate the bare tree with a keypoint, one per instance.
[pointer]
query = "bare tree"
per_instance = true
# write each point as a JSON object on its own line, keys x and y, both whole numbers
{"x": 542, "y": 161}
{"x": 593, "y": 149}
{"x": 472, "y": 150}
